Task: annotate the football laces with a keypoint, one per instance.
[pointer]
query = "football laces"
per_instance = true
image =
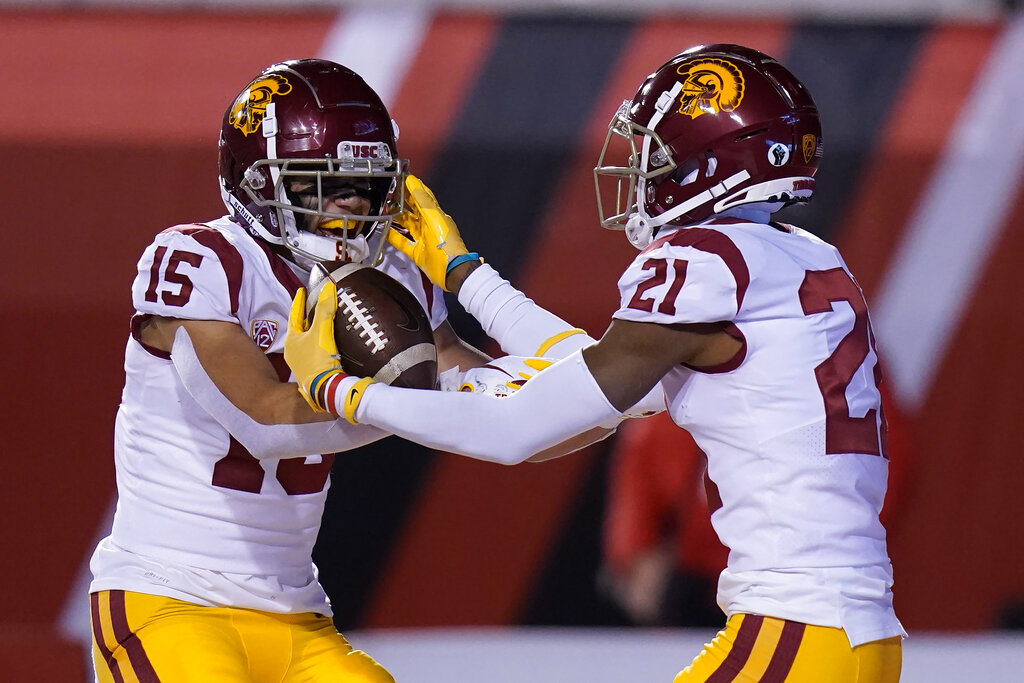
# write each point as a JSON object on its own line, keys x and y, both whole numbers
{"x": 360, "y": 319}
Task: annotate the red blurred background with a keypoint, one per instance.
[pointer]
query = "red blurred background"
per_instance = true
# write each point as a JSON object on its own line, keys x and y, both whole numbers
{"x": 108, "y": 133}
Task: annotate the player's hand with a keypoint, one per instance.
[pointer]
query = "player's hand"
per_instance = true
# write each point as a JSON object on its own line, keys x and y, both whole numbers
{"x": 428, "y": 235}
{"x": 533, "y": 365}
{"x": 310, "y": 350}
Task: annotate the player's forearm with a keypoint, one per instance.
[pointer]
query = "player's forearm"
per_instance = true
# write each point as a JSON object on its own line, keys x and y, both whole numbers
{"x": 296, "y": 432}
{"x": 553, "y": 406}
{"x": 573, "y": 444}
{"x": 283, "y": 404}
{"x": 508, "y": 316}
{"x": 523, "y": 328}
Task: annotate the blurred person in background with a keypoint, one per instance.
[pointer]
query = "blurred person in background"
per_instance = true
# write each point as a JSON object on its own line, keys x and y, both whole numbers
{"x": 660, "y": 556}
{"x": 207, "y": 574}
{"x": 752, "y": 332}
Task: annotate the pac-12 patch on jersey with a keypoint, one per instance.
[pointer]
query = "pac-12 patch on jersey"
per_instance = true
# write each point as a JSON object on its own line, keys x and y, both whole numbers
{"x": 264, "y": 332}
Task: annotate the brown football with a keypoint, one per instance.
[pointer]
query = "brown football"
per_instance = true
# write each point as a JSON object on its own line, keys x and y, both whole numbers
{"x": 381, "y": 329}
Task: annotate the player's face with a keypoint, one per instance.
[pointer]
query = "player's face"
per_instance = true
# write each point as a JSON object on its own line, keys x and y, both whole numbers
{"x": 342, "y": 195}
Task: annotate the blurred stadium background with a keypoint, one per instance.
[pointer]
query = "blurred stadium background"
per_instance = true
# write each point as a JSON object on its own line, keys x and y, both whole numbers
{"x": 449, "y": 569}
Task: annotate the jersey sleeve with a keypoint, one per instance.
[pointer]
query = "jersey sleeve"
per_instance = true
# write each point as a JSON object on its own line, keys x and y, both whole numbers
{"x": 430, "y": 296}
{"x": 437, "y": 310}
{"x": 193, "y": 273}
{"x": 679, "y": 284}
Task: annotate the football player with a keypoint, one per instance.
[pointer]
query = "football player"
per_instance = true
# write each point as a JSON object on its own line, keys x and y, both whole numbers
{"x": 207, "y": 573}
{"x": 755, "y": 331}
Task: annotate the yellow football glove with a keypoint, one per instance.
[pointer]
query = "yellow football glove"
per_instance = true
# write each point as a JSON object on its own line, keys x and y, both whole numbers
{"x": 428, "y": 235}
{"x": 312, "y": 354}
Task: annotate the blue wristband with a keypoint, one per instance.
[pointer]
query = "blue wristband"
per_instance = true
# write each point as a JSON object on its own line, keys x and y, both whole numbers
{"x": 462, "y": 258}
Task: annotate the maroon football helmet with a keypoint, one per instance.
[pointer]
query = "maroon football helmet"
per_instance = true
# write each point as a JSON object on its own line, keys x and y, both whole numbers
{"x": 715, "y": 127}
{"x": 301, "y": 132}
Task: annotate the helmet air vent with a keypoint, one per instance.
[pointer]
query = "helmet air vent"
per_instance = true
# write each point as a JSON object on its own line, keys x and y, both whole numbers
{"x": 753, "y": 133}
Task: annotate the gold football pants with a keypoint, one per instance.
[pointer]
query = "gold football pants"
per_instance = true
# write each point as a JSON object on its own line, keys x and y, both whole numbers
{"x": 756, "y": 649}
{"x": 140, "y": 638}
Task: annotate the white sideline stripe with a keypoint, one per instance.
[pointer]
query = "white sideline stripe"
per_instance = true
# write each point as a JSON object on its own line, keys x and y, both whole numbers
{"x": 378, "y": 43}
{"x": 606, "y": 655}
{"x": 956, "y": 224}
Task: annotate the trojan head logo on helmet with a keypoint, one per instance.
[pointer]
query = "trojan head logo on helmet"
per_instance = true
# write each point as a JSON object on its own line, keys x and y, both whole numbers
{"x": 711, "y": 86}
{"x": 250, "y": 107}
{"x": 715, "y": 127}
{"x": 308, "y": 163}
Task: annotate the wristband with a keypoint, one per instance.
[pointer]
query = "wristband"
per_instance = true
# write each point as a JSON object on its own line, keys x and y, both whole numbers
{"x": 462, "y": 258}
{"x": 438, "y": 419}
{"x": 353, "y": 396}
{"x": 322, "y": 388}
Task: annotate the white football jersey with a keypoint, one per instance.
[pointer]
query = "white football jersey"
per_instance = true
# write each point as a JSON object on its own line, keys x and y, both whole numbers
{"x": 792, "y": 426}
{"x": 198, "y": 517}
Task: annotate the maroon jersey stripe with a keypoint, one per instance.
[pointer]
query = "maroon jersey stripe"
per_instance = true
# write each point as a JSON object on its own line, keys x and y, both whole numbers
{"x": 230, "y": 259}
{"x": 97, "y": 635}
{"x": 281, "y": 271}
{"x": 137, "y": 657}
{"x": 738, "y": 655}
{"x": 284, "y": 372}
{"x": 136, "y": 325}
{"x": 785, "y": 652}
{"x": 713, "y": 242}
{"x": 732, "y": 363}
{"x": 428, "y": 292}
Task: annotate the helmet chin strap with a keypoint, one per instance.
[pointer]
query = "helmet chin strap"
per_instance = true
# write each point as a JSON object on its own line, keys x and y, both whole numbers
{"x": 246, "y": 217}
{"x": 640, "y": 227}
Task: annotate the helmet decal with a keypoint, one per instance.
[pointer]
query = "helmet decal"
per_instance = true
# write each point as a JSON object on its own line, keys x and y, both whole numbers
{"x": 711, "y": 86}
{"x": 377, "y": 152}
{"x": 810, "y": 144}
{"x": 778, "y": 154}
{"x": 250, "y": 108}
